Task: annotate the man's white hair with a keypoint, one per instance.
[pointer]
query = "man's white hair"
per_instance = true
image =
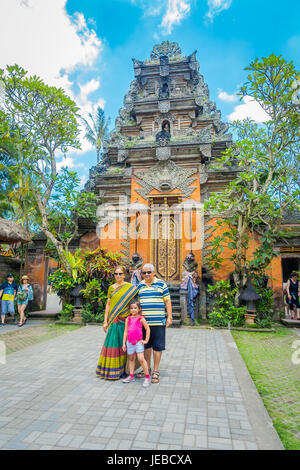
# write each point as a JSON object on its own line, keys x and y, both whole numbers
{"x": 149, "y": 266}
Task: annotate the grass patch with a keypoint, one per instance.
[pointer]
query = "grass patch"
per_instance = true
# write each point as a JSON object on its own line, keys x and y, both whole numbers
{"x": 269, "y": 360}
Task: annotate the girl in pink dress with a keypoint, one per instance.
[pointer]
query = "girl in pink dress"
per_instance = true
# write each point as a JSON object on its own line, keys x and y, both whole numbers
{"x": 134, "y": 343}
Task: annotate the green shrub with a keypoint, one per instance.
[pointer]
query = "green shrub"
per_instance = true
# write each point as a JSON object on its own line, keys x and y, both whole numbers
{"x": 263, "y": 323}
{"x": 220, "y": 316}
{"x": 66, "y": 314}
{"x": 93, "y": 292}
{"x": 265, "y": 306}
{"x": 62, "y": 283}
{"x": 89, "y": 315}
{"x": 224, "y": 310}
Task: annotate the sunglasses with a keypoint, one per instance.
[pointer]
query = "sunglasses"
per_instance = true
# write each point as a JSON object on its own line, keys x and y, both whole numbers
{"x": 146, "y": 272}
{"x": 118, "y": 274}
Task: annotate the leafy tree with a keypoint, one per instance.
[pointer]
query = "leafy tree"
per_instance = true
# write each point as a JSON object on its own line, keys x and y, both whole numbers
{"x": 41, "y": 121}
{"x": 96, "y": 131}
{"x": 266, "y": 163}
{"x": 66, "y": 206}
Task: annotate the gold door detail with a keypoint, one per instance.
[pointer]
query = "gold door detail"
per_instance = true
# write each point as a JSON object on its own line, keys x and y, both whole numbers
{"x": 166, "y": 246}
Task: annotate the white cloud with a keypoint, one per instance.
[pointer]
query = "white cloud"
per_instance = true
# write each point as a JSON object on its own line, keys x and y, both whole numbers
{"x": 224, "y": 96}
{"x": 41, "y": 37}
{"x": 249, "y": 109}
{"x": 68, "y": 162}
{"x": 176, "y": 11}
{"x": 216, "y": 6}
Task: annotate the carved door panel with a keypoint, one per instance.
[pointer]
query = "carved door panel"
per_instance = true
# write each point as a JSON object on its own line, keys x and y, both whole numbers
{"x": 166, "y": 246}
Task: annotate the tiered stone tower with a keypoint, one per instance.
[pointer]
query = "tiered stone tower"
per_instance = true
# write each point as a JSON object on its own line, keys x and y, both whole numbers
{"x": 159, "y": 157}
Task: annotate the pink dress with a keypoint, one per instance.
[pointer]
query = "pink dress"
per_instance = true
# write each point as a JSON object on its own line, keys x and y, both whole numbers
{"x": 135, "y": 329}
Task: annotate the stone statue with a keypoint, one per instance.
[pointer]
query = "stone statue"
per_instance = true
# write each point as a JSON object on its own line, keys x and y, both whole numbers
{"x": 163, "y": 137}
{"x": 164, "y": 92}
{"x": 135, "y": 264}
{"x": 190, "y": 263}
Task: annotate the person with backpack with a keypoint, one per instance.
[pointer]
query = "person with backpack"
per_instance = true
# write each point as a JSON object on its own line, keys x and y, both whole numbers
{"x": 24, "y": 294}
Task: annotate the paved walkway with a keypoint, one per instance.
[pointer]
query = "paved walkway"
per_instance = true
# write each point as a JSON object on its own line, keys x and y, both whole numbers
{"x": 51, "y": 399}
{"x": 10, "y": 327}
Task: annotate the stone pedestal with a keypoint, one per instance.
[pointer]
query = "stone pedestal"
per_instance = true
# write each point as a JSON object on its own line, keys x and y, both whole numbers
{"x": 77, "y": 315}
{"x": 249, "y": 318}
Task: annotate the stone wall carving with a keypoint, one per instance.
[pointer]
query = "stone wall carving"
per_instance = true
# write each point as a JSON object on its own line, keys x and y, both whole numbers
{"x": 122, "y": 155}
{"x": 163, "y": 153}
{"x": 164, "y": 106}
{"x": 166, "y": 176}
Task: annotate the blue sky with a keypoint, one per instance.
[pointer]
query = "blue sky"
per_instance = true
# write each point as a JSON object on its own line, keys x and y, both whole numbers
{"x": 87, "y": 47}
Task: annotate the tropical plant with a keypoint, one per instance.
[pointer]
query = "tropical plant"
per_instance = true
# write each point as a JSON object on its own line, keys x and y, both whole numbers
{"x": 224, "y": 310}
{"x": 93, "y": 270}
{"x": 264, "y": 307}
{"x": 89, "y": 315}
{"x": 93, "y": 292}
{"x": 266, "y": 162}
{"x": 96, "y": 131}
{"x": 62, "y": 284}
{"x": 75, "y": 261}
{"x": 66, "y": 314}
{"x": 100, "y": 264}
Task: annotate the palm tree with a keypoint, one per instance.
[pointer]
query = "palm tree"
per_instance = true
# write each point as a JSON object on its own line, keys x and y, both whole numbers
{"x": 97, "y": 131}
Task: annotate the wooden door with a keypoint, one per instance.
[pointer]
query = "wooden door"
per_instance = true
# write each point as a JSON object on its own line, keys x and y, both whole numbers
{"x": 166, "y": 245}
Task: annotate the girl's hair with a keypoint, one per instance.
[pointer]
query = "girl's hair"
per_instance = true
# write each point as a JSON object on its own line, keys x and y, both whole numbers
{"x": 136, "y": 302}
{"x": 122, "y": 268}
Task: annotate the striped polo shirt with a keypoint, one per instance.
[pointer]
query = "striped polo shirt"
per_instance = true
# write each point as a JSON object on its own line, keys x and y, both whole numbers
{"x": 152, "y": 299}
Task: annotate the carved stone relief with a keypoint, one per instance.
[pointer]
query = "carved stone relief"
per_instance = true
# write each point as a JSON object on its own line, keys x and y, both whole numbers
{"x": 205, "y": 151}
{"x": 122, "y": 155}
{"x": 163, "y": 153}
{"x": 164, "y": 106}
{"x": 166, "y": 176}
{"x": 205, "y": 134}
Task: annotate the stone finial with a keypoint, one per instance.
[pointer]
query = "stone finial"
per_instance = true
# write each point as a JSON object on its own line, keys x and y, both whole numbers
{"x": 166, "y": 48}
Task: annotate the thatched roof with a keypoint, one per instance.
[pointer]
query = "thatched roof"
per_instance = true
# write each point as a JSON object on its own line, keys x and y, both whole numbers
{"x": 11, "y": 232}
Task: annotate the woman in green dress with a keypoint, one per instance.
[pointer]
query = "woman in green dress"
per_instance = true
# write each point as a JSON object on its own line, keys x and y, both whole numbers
{"x": 112, "y": 360}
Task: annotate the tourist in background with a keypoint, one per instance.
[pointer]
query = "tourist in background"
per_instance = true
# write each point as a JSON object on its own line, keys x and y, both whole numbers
{"x": 8, "y": 291}
{"x": 293, "y": 293}
{"x": 25, "y": 293}
{"x": 112, "y": 360}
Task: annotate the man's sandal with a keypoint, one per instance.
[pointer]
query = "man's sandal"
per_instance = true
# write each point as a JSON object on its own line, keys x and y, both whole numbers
{"x": 141, "y": 374}
{"x": 155, "y": 377}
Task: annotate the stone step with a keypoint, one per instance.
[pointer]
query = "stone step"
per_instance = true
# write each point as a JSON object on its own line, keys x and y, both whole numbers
{"x": 44, "y": 314}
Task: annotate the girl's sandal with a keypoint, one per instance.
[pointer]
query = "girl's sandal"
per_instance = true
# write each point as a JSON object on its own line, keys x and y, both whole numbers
{"x": 141, "y": 374}
{"x": 155, "y": 377}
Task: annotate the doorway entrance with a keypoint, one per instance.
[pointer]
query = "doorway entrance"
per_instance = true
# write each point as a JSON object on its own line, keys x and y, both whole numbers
{"x": 166, "y": 240}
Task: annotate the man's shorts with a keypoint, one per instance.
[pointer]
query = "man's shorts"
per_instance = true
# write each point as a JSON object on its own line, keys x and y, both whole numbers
{"x": 157, "y": 340}
{"x": 7, "y": 306}
{"x": 132, "y": 348}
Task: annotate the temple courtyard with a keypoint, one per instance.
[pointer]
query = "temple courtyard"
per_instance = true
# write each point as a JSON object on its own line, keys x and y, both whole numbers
{"x": 50, "y": 397}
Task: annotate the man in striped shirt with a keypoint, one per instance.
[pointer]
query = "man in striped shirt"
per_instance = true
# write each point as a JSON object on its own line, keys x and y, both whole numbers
{"x": 154, "y": 296}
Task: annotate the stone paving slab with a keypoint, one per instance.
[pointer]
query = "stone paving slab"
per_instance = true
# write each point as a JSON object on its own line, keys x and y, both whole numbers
{"x": 51, "y": 398}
